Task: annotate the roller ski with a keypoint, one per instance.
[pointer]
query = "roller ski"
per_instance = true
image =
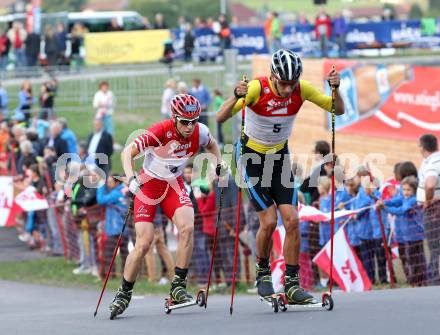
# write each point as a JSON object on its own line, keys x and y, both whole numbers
{"x": 294, "y": 296}
{"x": 120, "y": 303}
{"x": 265, "y": 287}
{"x": 180, "y": 298}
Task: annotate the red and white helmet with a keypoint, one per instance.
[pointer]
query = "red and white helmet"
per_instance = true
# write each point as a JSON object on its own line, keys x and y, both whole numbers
{"x": 185, "y": 106}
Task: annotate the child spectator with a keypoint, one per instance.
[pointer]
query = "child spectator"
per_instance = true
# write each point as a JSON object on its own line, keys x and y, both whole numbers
{"x": 377, "y": 250}
{"x": 410, "y": 215}
{"x": 111, "y": 197}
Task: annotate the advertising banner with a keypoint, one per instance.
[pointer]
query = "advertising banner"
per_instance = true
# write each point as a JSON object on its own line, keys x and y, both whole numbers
{"x": 125, "y": 46}
{"x": 394, "y": 101}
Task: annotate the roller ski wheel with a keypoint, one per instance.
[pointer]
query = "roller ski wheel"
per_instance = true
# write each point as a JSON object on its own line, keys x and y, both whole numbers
{"x": 272, "y": 301}
{"x": 201, "y": 298}
{"x": 114, "y": 313}
{"x": 167, "y": 308}
{"x": 275, "y": 305}
{"x": 327, "y": 301}
{"x": 282, "y": 303}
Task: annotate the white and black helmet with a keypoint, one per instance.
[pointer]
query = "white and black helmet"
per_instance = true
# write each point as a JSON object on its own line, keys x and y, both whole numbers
{"x": 286, "y": 65}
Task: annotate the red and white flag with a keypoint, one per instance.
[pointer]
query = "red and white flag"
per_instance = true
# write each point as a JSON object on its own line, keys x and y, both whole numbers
{"x": 30, "y": 200}
{"x": 7, "y": 213}
{"x": 278, "y": 266}
{"x": 310, "y": 213}
{"x": 348, "y": 271}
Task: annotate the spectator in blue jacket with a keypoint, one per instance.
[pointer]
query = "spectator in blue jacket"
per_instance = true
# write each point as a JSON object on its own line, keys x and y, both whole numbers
{"x": 365, "y": 231}
{"x": 411, "y": 216}
{"x": 112, "y": 197}
{"x": 340, "y": 29}
{"x": 69, "y": 136}
{"x": 352, "y": 227}
{"x": 3, "y": 104}
{"x": 202, "y": 94}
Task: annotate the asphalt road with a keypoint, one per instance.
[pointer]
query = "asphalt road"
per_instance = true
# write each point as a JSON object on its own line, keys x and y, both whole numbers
{"x": 32, "y": 309}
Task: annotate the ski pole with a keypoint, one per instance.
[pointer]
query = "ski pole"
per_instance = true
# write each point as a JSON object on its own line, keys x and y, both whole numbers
{"x": 129, "y": 212}
{"x": 237, "y": 227}
{"x": 214, "y": 245}
{"x": 384, "y": 239}
{"x": 332, "y": 217}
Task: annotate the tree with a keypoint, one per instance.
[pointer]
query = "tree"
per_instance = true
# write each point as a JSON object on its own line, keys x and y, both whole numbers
{"x": 415, "y": 12}
{"x": 52, "y": 6}
{"x": 434, "y": 4}
{"x": 172, "y": 9}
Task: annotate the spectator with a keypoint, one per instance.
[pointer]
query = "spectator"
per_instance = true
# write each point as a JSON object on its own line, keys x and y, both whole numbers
{"x": 5, "y": 44}
{"x": 100, "y": 142}
{"x": 428, "y": 193}
{"x": 159, "y": 22}
{"x": 44, "y": 102}
{"x": 411, "y": 215}
{"x": 182, "y": 88}
{"x": 27, "y": 156}
{"x": 225, "y": 33}
{"x": 115, "y": 25}
{"x": 324, "y": 227}
{"x": 25, "y": 102}
{"x": 167, "y": 95}
{"x": 227, "y": 227}
{"x": 168, "y": 53}
{"x": 104, "y": 102}
{"x": 77, "y": 41}
{"x": 61, "y": 41}
{"x": 181, "y": 22}
{"x": 111, "y": 197}
{"x": 32, "y": 49}
{"x": 82, "y": 198}
{"x": 268, "y": 30}
{"x": 323, "y": 31}
{"x": 202, "y": 94}
{"x": 17, "y": 36}
{"x": 218, "y": 101}
{"x": 4, "y": 141}
{"x": 234, "y": 22}
{"x": 310, "y": 185}
{"x": 188, "y": 43}
{"x": 37, "y": 144}
{"x": 145, "y": 23}
{"x": 51, "y": 47}
{"x": 340, "y": 29}
{"x": 56, "y": 141}
{"x": 276, "y": 32}
{"x": 200, "y": 259}
{"x": 69, "y": 136}
{"x": 52, "y": 88}
{"x": 4, "y": 101}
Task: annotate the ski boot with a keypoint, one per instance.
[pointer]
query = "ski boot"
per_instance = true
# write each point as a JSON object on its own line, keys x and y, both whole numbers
{"x": 295, "y": 294}
{"x": 264, "y": 282}
{"x": 178, "y": 292}
{"x": 120, "y": 302}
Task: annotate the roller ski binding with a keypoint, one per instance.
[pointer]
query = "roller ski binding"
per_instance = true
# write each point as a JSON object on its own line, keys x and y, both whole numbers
{"x": 120, "y": 302}
{"x": 180, "y": 298}
{"x": 294, "y": 297}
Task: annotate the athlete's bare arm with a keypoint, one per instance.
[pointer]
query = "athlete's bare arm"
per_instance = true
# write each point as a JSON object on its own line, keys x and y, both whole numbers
{"x": 227, "y": 109}
{"x": 213, "y": 148}
{"x": 127, "y": 157}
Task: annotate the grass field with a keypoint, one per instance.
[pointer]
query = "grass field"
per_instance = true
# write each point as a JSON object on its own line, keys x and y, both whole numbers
{"x": 307, "y": 6}
{"x": 56, "y": 271}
